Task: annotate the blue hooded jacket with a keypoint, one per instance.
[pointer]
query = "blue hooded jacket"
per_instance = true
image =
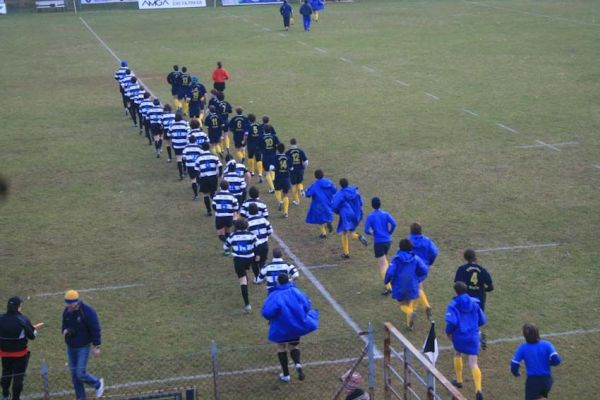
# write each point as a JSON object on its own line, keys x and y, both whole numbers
{"x": 317, "y": 5}
{"x": 289, "y": 313}
{"x": 463, "y": 319}
{"x": 403, "y": 274}
{"x": 347, "y": 203}
{"x": 321, "y": 192}
{"x": 425, "y": 249}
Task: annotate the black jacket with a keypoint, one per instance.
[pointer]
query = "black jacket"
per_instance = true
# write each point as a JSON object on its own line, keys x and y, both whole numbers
{"x": 15, "y": 330}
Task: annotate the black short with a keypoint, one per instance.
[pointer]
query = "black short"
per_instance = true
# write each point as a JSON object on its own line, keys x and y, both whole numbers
{"x": 381, "y": 249}
{"x": 208, "y": 184}
{"x": 238, "y": 142}
{"x": 155, "y": 129}
{"x": 178, "y": 152}
{"x": 192, "y": 173}
{"x": 293, "y": 342}
{"x": 223, "y": 222}
{"x": 537, "y": 386}
{"x": 297, "y": 176}
{"x": 220, "y": 86}
{"x": 225, "y": 126}
{"x": 242, "y": 265}
{"x": 267, "y": 160}
{"x": 282, "y": 184}
{"x": 262, "y": 251}
{"x": 254, "y": 152}
{"x": 214, "y": 137}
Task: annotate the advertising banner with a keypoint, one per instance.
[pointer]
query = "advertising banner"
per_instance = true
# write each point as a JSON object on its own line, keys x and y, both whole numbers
{"x": 248, "y": 2}
{"x": 155, "y": 4}
{"x": 2, "y": 8}
{"x": 107, "y": 1}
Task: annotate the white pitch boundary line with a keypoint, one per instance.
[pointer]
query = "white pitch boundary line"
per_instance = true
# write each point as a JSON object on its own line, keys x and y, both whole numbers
{"x": 321, "y": 266}
{"x": 405, "y": 84}
{"x": 508, "y": 128}
{"x": 281, "y": 34}
{"x": 597, "y": 166}
{"x": 265, "y": 29}
{"x": 433, "y": 96}
{"x": 548, "y": 145}
{"x": 301, "y": 42}
{"x": 309, "y": 275}
{"x": 346, "y": 60}
{"x": 473, "y": 113}
{"x": 367, "y": 68}
{"x": 98, "y": 289}
{"x": 542, "y": 144}
{"x": 320, "y": 50}
{"x": 519, "y": 247}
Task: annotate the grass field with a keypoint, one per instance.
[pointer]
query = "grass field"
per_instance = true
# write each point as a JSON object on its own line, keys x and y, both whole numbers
{"x": 423, "y": 103}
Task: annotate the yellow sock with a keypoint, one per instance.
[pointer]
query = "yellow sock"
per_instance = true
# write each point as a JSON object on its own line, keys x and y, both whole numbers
{"x": 423, "y": 299}
{"x": 226, "y": 141}
{"x": 240, "y": 155}
{"x": 345, "y": 244}
{"x": 407, "y": 309}
{"x": 251, "y": 165}
{"x": 259, "y": 165}
{"x": 458, "y": 368}
{"x": 214, "y": 150}
{"x": 316, "y": 15}
{"x": 286, "y": 204}
{"x": 382, "y": 274}
{"x": 323, "y": 229}
{"x": 270, "y": 181}
{"x": 186, "y": 107}
{"x": 476, "y": 378}
{"x": 272, "y": 173}
{"x": 278, "y": 195}
{"x": 296, "y": 193}
{"x": 300, "y": 187}
{"x": 354, "y": 235}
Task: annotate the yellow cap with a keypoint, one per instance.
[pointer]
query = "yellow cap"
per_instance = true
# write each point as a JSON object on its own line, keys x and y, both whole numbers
{"x": 71, "y": 296}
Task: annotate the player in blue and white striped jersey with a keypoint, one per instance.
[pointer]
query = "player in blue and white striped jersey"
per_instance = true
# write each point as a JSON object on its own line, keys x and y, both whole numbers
{"x": 119, "y": 74}
{"x": 124, "y": 82}
{"x": 145, "y": 106}
{"x": 198, "y": 133}
{"x": 155, "y": 117}
{"x": 242, "y": 171}
{"x": 261, "y": 227}
{"x": 189, "y": 155}
{"x": 241, "y": 243}
{"x": 225, "y": 205}
{"x": 237, "y": 183}
{"x": 263, "y": 211}
{"x": 208, "y": 167}
{"x": 131, "y": 92}
{"x": 137, "y": 100}
{"x": 178, "y": 135}
{"x": 166, "y": 120}
{"x": 277, "y": 266}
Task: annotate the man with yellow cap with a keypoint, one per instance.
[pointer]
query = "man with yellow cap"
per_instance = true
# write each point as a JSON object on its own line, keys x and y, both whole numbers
{"x": 81, "y": 330}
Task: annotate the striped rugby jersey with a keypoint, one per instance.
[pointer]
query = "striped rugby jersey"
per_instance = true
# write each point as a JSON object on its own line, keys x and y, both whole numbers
{"x": 200, "y": 136}
{"x": 145, "y": 106}
{"x": 120, "y": 73}
{"x": 241, "y": 243}
{"x": 261, "y": 227}
{"x": 207, "y": 164}
{"x": 178, "y": 132}
{"x": 190, "y": 153}
{"x": 262, "y": 209}
{"x": 132, "y": 90}
{"x": 139, "y": 98}
{"x": 166, "y": 120}
{"x": 224, "y": 203}
{"x": 237, "y": 183}
{"x": 125, "y": 81}
{"x": 270, "y": 272}
{"x": 155, "y": 114}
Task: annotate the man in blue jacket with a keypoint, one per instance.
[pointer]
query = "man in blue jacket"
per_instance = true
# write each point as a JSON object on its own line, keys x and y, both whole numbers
{"x": 321, "y": 193}
{"x": 81, "y": 330}
{"x": 380, "y": 225}
{"x": 347, "y": 203}
{"x": 290, "y": 317}
{"x": 428, "y": 252}
{"x": 286, "y": 12}
{"x": 306, "y": 12}
{"x": 463, "y": 319}
{"x": 403, "y": 274}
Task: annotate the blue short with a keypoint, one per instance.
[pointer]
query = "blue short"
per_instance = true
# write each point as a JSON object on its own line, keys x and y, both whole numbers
{"x": 297, "y": 176}
{"x": 536, "y": 386}
{"x": 381, "y": 249}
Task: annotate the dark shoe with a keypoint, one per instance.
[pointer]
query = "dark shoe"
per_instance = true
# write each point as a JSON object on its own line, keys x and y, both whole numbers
{"x": 363, "y": 240}
{"x": 322, "y": 236}
{"x": 386, "y": 292}
{"x": 280, "y": 207}
{"x": 456, "y": 384}
{"x": 429, "y": 314}
{"x": 209, "y": 214}
{"x": 483, "y": 341}
{"x": 329, "y": 227}
{"x": 479, "y": 396}
{"x": 411, "y": 321}
{"x": 300, "y": 372}
{"x": 195, "y": 198}
{"x": 345, "y": 256}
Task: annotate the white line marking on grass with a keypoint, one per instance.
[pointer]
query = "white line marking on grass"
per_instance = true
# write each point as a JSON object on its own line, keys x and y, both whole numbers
{"x": 302, "y": 43}
{"x": 346, "y": 60}
{"x": 547, "y": 145}
{"x": 508, "y": 128}
{"x": 366, "y": 67}
{"x": 597, "y": 166}
{"x": 470, "y": 112}
{"x": 322, "y": 266}
{"x": 98, "y": 289}
{"x": 281, "y": 34}
{"x": 519, "y": 247}
{"x": 320, "y": 50}
{"x": 309, "y": 275}
{"x": 266, "y": 29}
{"x": 433, "y": 96}
{"x": 406, "y": 84}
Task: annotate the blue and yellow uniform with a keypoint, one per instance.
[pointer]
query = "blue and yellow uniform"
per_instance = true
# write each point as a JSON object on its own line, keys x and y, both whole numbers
{"x": 224, "y": 109}
{"x": 268, "y": 146}
{"x": 239, "y": 126}
{"x": 173, "y": 80}
{"x": 212, "y": 122}
{"x": 253, "y": 143}
{"x": 282, "y": 184}
{"x": 196, "y": 96}
{"x": 299, "y": 163}
{"x": 183, "y": 86}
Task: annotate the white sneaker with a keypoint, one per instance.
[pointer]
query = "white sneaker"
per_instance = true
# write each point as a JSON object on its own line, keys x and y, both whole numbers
{"x": 284, "y": 378}
{"x": 296, "y": 203}
{"x": 100, "y": 390}
{"x": 248, "y": 309}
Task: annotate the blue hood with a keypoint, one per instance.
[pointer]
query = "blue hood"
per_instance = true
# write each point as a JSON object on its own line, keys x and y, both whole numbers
{"x": 465, "y": 303}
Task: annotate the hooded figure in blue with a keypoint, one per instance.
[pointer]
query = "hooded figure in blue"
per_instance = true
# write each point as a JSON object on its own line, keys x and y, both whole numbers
{"x": 320, "y": 211}
{"x": 347, "y": 203}
{"x": 317, "y": 5}
{"x": 403, "y": 274}
{"x": 463, "y": 319}
{"x": 428, "y": 252}
{"x": 290, "y": 316}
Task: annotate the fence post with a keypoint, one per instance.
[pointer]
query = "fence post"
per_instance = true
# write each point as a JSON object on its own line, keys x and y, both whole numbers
{"x": 45, "y": 385}
{"x": 407, "y": 356}
{"x": 387, "y": 360}
{"x": 371, "y": 363}
{"x": 430, "y": 386}
{"x": 215, "y": 369}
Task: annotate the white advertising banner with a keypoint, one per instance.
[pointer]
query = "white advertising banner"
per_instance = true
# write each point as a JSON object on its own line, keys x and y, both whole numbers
{"x": 154, "y": 4}
{"x": 248, "y": 2}
{"x": 2, "y": 8}
{"x": 107, "y": 1}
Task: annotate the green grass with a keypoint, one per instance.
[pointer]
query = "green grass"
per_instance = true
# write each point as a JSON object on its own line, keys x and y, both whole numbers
{"x": 89, "y": 205}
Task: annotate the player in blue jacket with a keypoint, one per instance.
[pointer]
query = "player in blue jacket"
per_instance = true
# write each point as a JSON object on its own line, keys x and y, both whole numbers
{"x": 380, "y": 225}
{"x": 306, "y": 12}
{"x": 347, "y": 203}
{"x": 463, "y": 319}
{"x": 317, "y": 5}
{"x": 290, "y": 317}
{"x": 403, "y": 275}
{"x": 286, "y": 12}
{"x": 320, "y": 211}
{"x": 539, "y": 356}
{"x": 428, "y": 251}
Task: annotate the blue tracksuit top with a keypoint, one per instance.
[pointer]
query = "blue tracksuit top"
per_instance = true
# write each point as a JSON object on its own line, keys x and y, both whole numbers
{"x": 321, "y": 193}
{"x": 83, "y": 325}
{"x": 380, "y": 225}
{"x": 289, "y": 313}
{"x": 347, "y": 203}
{"x": 463, "y": 319}
{"x": 424, "y": 248}
{"x": 286, "y": 10}
{"x": 538, "y": 358}
{"x": 403, "y": 274}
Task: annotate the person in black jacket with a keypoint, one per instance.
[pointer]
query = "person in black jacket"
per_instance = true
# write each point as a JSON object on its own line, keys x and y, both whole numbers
{"x": 15, "y": 331}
